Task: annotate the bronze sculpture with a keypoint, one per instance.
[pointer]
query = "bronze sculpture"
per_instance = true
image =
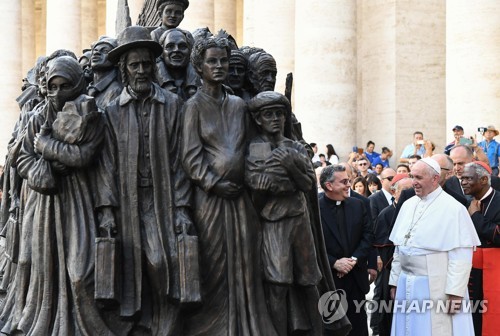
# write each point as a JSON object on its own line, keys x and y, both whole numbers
{"x": 175, "y": 72}
{"x": 147, "y": 200}
{"x": 105, "y": 85}
{"x": 171, "y": 13}
{"x": 159, "y": 155}
{"x": 227, "y": 225}
{"x": 261, "y": 72}
{"x": 237, "y": 75}
{"x": 281, "y": 176}
{"x": 58, "y": 223}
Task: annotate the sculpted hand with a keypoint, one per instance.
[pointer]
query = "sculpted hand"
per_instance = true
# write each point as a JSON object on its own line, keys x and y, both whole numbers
{"x": 59, "y": 167}
{"x": 106, "y": 221}
{"x": 344, "y": 265}
{"x": 283, "y": 156}
{"x": 227, "y": 189}
{"x": 263, "y": 182}
{"x": 40, "y": 142}
{"x": 475, "y": 205}
{"x": 183, "y": 220}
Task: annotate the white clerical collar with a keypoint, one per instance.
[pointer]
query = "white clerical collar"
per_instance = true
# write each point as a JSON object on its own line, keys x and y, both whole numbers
{"x": 431, "y": 196}
{"x": 487, "y": 193}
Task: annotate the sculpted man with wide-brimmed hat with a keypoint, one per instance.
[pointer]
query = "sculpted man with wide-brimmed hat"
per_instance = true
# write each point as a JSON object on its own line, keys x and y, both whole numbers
{"x": 143, "y": 193}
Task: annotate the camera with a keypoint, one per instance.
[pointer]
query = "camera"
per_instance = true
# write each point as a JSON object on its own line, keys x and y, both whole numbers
{"x": 420, "y": 142}
{"x": 481, "y": 129}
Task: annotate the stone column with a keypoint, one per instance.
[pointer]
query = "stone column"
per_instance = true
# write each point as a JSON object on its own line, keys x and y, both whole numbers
{"x": 239, "y": 21}
{"x": 225, "y": 16}
{"x": 325, "y": 76}
{"x": 89, "y": 24}
{"x": 28, "y": 35}
{"x": 472, "y": 65}
{"x": 101, "y": 17}
{"x": 272, "y": 27}
{"x": 111, "y": 8}
{"x": 401, "y": 73}
{"x": 40, "y": 27}
{"x": 420, "y": 72}
{"x": 64, "y": 25}
{"x": 11, "y": 75}
{"x": 199, "y": 14}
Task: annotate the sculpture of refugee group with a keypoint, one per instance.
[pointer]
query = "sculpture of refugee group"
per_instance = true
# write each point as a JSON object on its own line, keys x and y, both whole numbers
{"x": 158, "y": 186}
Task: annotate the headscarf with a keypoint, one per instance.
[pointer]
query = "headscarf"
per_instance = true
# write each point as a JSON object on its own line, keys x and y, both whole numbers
{"x": 69, "y": 69}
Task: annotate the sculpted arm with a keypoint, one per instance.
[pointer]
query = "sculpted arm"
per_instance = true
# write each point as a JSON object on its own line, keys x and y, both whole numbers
{"x": 197, "y": 169}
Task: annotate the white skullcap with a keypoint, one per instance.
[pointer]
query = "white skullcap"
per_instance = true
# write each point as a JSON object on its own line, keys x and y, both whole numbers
{"x": 433, "y": 164}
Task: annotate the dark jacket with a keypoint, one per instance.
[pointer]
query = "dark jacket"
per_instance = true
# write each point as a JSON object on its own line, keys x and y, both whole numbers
{"x": 360, "y": 238}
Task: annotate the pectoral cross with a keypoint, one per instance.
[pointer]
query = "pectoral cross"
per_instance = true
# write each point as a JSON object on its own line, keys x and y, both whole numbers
{"x": 407, "y": 236}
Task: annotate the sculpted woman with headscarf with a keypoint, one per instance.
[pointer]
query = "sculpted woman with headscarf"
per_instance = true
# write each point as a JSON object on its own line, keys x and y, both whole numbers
{"x": 214, "y": 144}
{"x": 55, "y": 294}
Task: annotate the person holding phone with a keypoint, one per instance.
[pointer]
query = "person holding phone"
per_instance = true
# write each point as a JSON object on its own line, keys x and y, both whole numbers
{"x": 458, "y": 134}
{"x": 416, "y": 147}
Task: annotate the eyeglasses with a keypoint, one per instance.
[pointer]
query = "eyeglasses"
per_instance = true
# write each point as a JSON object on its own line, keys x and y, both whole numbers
{"x": 389, "y": 178}
{"x": 362, "y": 164}
{"x": 345, "y": 182}
{"x": 442, "y": 168}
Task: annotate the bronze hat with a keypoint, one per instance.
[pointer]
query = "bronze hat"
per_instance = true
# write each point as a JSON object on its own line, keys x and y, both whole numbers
{"x": 134, "y": 37}
{"x": 266, "y": 99}
{"x": 106, "y": 39}
{"x": 183, "y": 3}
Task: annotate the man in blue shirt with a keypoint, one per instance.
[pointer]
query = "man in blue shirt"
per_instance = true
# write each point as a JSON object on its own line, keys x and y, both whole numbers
{"x": 369, "y": 151}
{"x": 415, "y": 148}
{"x": 491, "y": 148}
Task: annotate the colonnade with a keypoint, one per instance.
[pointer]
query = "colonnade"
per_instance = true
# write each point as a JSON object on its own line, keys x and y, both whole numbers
{"x": 363, "y": 70}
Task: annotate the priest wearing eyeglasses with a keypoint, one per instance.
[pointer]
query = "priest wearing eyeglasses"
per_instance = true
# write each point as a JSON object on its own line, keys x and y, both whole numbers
{"x": 348, "y": 239}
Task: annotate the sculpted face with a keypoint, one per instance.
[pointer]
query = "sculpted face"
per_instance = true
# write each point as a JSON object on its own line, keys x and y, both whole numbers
{"x": 139, "y": 68}
{"x": 266, "y": 76}
{"x": 172, "y": 15}
{"x": 176, "y": 50}
{"x": 272, "y": 119}
{"x": 215, "y": 65}
{"x": 99, "y": 58}
{"x": 236, "y": 77}
{"x": 60, "y": 90}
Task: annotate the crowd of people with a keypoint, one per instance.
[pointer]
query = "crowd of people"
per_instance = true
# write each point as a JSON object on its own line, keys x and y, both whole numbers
{"x": 432, "y": 216}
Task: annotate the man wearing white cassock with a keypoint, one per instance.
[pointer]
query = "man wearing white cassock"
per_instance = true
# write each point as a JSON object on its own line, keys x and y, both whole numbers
{"x": 434, "y": 239}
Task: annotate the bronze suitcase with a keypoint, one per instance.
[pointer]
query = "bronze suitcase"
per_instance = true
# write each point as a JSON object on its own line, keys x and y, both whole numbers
{"x": 189, "y": 269}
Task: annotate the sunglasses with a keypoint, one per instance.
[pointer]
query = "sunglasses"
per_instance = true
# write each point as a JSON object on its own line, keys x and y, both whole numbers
{"x": 388, "y": 178}
{"x": 362, "y": 164}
